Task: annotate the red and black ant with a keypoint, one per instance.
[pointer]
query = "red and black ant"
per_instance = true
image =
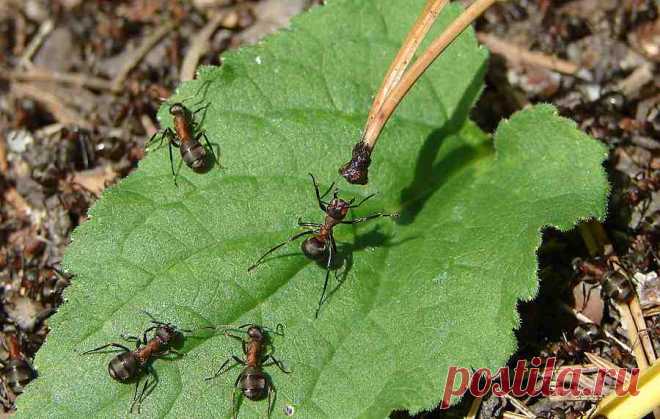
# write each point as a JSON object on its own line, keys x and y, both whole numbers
{"x": 130, "y": 365}
{"x": 614, "y": 284}
{"x": 321, "y": 246}
{"x": 183, "y": 136}
{"x": 16, "y": 371}
{"x": 252, "y": 382}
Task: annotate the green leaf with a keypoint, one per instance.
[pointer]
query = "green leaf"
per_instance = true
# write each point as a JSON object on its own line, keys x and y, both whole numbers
{"x": 438, "y": 287}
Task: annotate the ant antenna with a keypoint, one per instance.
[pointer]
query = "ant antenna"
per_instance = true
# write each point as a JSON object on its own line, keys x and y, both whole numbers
{"x": 204, "y": 85}
{"x": 153, "y": 319}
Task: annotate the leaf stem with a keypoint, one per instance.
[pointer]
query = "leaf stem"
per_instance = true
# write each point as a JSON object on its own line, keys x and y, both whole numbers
{"x": 356, "y": 170}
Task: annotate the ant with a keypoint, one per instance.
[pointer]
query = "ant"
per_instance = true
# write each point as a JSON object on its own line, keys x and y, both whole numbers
{"x": 193, "y": 153}
{"x": 321, "y": 246}
{"x": 252, "y": 382}
{"x": 129, "y": 365}
{"x": 16, "y": 371}
{"x": 614, "y": 284}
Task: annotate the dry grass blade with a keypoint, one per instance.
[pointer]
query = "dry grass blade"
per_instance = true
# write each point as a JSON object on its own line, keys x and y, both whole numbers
{"x": 199, "y": 46}
{"x": 420, "y": 65}
{"x": 400, "y": 63}
{"x": 517, "y": 54}
{"x": 140, "y": 53}
{"x": 520, "y": 406}
{"x": 356, "y": 170}
{"x": 53, "y": 103}
{"x": 75, "y": 79}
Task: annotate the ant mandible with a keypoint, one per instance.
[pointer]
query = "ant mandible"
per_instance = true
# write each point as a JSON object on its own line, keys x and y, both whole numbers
{"x": 322, "y": 243}
{"x": 193, "y": 153}
{"x": 252, "y": 382}
{"x": 130, "y": 364}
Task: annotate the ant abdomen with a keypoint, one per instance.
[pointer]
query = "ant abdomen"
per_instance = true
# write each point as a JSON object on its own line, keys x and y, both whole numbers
{"x": 254, "y": 384}
{"x": 618, "y": 287}
{"x": 194, "y": 155}
{"x": 314, "y": 248}
{"x": 124, "y": 367}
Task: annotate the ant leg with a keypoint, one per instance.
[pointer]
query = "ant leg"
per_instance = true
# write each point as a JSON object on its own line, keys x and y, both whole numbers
{"x": 271, "y": 401}
{"x": 361, "y": 202}
{"x": 237, "y": 361}
{"x": 172, "y": 160}
{"x": 208, "y": 145}
{"x": 587, "y": 294}
{"x": 135, "y": 395}
{"x": 134, "y": 339}
{"x": 320, "y": 197}
{"x": 279, "y": 329}
{"x": 115, "y": 345}
{"x": 219, "y": 372}
{"x": 173, "y": 351}
{"x": 302, "y": 223}
{"x": 153, "y": 319}
{"x": 164, "y": 133}
{"x": 238, "y": 338}
{"x": 147, "y": 388}
{"x": 369, "y": 217}
{"x": 275, "y": 361}
{"x": 203, "y": 108}
{"x": 235, "y": 400}
{"x": 289, "y": 240}
{"x": 325, "y": 283}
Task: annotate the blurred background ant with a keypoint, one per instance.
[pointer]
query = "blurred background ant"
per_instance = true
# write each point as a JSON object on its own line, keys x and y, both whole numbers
{"x": 16, "y": 370}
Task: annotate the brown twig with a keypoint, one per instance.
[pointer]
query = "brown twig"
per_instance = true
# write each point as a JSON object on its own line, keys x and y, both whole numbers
{"x": 137, "y": 56}
{"x": 517, "y": 54}
{"x": 199, "y": 46}
{"x": 74, "y": 79}
{"x": 4, "y": 166}
{"x": 36, "y": 42}
{"x": 520, "y": 406}
{"x": 356, "y": 170}
{"x": 61, "y": 112}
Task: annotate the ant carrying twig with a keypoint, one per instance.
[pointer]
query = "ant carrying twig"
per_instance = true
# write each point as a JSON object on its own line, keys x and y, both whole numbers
{"x": 130, "y": 364}
{"x": 183, "y": 137}
{"x": 252, "y": 382}
{"x": 321, "y": 246}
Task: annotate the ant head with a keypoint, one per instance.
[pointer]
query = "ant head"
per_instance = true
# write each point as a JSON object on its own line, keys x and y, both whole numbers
{"x": 338, "y": 208}
{"x": 255, "y": 332}
{"x": 177, "y": 109}
{"x": 169, "y": 333}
